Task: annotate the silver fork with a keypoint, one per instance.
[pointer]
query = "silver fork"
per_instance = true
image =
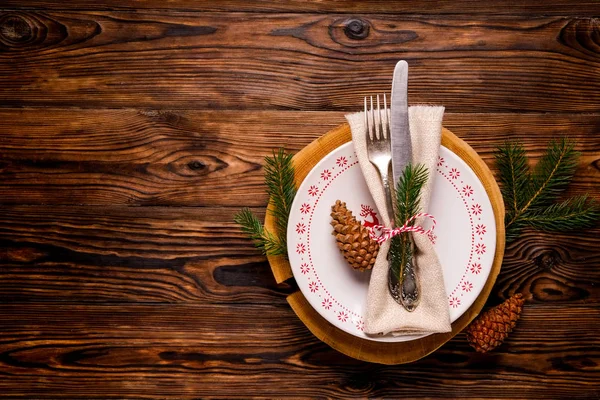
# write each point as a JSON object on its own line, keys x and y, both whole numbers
{"x": 379, "y": 146}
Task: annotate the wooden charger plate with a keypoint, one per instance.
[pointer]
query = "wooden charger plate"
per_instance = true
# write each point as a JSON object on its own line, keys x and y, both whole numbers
{"x": 382, "y": 352}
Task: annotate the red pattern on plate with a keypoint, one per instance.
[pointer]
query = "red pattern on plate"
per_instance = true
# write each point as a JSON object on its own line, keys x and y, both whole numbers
{"x": 475, "y": 268}
{"x": 480, "y": 229}
{"x": 326, "y": 174}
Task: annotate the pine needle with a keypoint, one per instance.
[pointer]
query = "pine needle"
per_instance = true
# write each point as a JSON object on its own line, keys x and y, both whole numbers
{"x": 253, "y": 228}
{"x": 530, "y": 197}
{"x": 408, "y": 192}
{"x": 408, "y": 197}
{"x": 575, "y": 213}
{"x": 552, "y": 174}
{"x": 516, "y": 177}
{"x": 279, "y": 179}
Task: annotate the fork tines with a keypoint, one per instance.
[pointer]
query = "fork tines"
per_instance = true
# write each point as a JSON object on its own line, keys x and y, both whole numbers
{"x": 376, "y": 121}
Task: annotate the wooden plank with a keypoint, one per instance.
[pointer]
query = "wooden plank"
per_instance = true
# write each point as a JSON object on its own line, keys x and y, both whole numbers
{"x": 467, "y": 7}
{"x": 210, "y": 158}
{"x": 198, "y": 255}
{"x": 184, "y": 351}
{"x": 142, "y": 254}
{"x": 296, "y": 61}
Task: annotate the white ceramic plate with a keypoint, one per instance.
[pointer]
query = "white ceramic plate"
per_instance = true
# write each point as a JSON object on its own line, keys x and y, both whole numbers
{"x": 465, "y": 237}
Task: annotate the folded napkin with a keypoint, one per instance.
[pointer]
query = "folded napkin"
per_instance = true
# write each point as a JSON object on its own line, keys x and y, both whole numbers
{"x": 383, "y": 314}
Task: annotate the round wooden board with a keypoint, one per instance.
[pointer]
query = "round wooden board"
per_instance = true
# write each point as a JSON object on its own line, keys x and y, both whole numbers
{"x": 380, "y": 352}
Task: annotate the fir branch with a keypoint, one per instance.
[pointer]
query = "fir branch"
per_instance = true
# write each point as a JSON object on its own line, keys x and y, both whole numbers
{"x": 515, "y": 176}
{"x": 408, "y": 198}
{"x": 550, "y": 177}
{"x": 279, "y": 178}
{"x": 408, "y": 192}
{"x": 263, "y": 240}
{"x": 552, "y": 174}
{"x": 575, "y": 213}
{"x": 529, "y": 197}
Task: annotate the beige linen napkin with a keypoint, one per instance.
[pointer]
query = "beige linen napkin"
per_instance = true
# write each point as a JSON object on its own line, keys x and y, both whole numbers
{"x": 383, "y": 314}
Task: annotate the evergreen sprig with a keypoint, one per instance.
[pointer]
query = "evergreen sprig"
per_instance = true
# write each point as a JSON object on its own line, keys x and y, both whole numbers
{"x": 263, "y": 240}
{"x": 408, "y": 197}
{"x": 530, "y": 196}
{"x": 279, "y": 179}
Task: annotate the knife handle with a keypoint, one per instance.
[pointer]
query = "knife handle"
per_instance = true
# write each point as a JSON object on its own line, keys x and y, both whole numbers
{"x": 388, "y": 194}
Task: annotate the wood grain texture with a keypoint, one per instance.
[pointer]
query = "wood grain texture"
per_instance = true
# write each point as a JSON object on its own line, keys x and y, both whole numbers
{"x": 191, "y": 351}
{"x": 215, "y": 158}
{"x": 296, "y": 61}
{"x": 431, "y": 7}
{"x": 130, "y": 133}
{"x": 122, "y": 254}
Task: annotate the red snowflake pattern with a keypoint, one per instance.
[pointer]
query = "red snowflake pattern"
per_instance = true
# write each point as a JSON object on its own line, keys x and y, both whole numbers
{"x": 304, "y": 268}
{"x": 325, "y": 175}
{"x": 360, "y": 326}
{"x": 440, "y": 161}
{"x": 454, "y": 173}
{"x": 476, "y": 209}
{"x": 480, "y": 229}
{"x": 454, "y": 302}
{"x": 300, "y": 248}
{"x": 342, "y": 316}
{"x": 475, "y": 268}
{"x": 341, "y": 162}
{"x": 313, "y": 190}
{"x": 327, "y": 304}
{"x": 467, "y": 286}
{"x": 313, "y": 286}
{"x": 480, "y": 248}
{"x": 300, "y": 228}
{"x": 467, "y": 191}
{"x": 305, "y": 208}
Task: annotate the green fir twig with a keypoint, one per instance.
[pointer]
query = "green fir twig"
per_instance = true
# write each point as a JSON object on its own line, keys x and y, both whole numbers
{"x": 279, "y": 179}
{"x": 530, "y": 197}
{"x": 265, "y": 241}
{"x": 408, "y": 198}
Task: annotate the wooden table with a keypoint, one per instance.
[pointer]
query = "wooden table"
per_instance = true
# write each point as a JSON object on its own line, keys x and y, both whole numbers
{"x": 131, "y": 132}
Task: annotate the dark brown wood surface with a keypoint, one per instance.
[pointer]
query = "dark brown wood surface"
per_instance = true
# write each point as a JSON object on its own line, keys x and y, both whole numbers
{"x": 132, "y": 131}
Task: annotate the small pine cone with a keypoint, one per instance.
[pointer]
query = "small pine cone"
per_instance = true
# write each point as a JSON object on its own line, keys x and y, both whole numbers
{"x": 353, "y": 238}
{"x": 493, "y": 326}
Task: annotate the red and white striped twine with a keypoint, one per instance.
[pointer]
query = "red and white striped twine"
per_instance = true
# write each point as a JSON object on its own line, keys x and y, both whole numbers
{"x": 388, "y": 233}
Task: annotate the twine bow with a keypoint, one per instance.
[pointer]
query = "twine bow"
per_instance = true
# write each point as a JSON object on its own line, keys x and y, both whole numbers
{"x": 388, "y": 233}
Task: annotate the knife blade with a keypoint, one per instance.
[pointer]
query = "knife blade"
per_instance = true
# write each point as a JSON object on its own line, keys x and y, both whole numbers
{"x": 400, "y": 131}
{"x": 405, "y": 291}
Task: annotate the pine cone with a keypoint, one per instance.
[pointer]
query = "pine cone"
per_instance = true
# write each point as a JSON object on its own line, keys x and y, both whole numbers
{"x": 353, "y": 238}
{"x": 493, "y": 326}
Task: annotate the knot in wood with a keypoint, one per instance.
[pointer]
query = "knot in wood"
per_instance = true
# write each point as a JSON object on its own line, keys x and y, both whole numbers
{"x": 546, "y": 261}
{"x": 15, "y": 29}
{"x": 196, "y": 165}
{"x": 356, "y": 28}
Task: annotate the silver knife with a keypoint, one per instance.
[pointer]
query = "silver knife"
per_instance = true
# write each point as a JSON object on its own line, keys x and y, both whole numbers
{"x": 407, "y": 291}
